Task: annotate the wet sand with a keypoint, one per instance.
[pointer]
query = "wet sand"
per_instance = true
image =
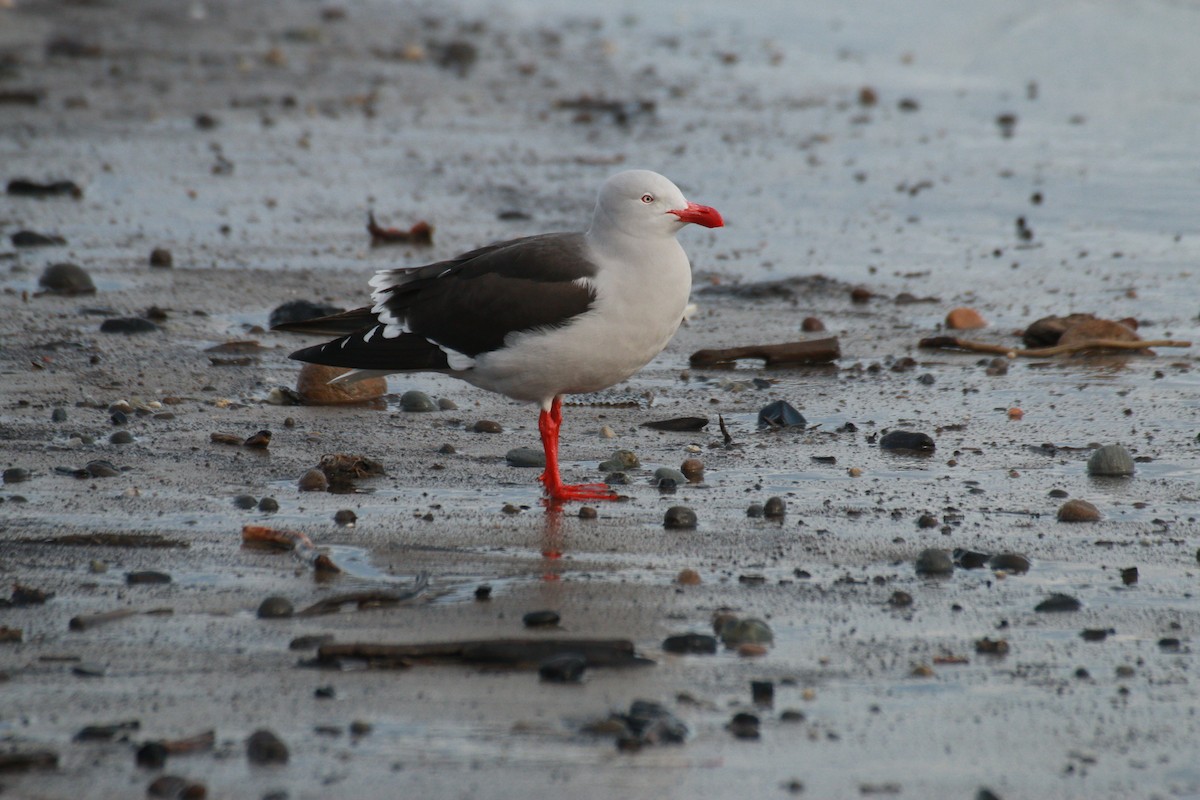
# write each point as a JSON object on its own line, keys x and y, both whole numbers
{"x": 318, "y": 118}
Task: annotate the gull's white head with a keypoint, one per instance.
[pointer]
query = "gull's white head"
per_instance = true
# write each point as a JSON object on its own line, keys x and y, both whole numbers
{"x": 642, "y": 203}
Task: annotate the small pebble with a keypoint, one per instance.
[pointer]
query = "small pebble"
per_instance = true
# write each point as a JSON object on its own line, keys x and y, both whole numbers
{"x": 588, "y": 512}
{"x": 314, "y": 388}
{"x": 693, "y": 470}
{"x": 970, "y": 559}
{"x": 327, "y": 692}
{"x": 774, "y": 508}
{"x": 964, "y": 319}
{"x": 1059, "y": 602}
{"x": 934, "y": 561}
{"x": 16, "y": 475}
{"x": 360, "y": 727}
{"x": 268, "y": 504}
{"x": 762, "y": 693}
{"x": 616, "y": 479}
{"x": 128, "y": 325}
{"x": 900, "y": 599}
{"x": 620, "y": 461}
{"x": 66, "y": 279}
{"x": 167, "y": 786}
{"x": 97, "y": 567}
{"x": 751, "y": 650}
{"x": 744, "y": 726}
{"x": 812, "y": 325}
{"x": 1112, "y": 460}
{"x": 146, "y": 576}
{"x": 906, "y": 440}
{"x": 151, "y": 755}
{"x": 541, "y": 619}
{"x": 525, "y": 457}
{"x": 737, "y": 632}
{"x": 300, "y": 311}
{"x": 417, "y": 402}
{"x": 1094, "y": 634}
{"x": 446, "y": 404}
{"x": 161, "y": 258}
{"x": 101, "y": 469}
{"x": 1009, "y": 562}
{"x": 483, "y": 593}
{"x": 260, "y": 440}
{"x": 487, "y": 426}
{"x": 679, "y": 518}
{"x": 35, "y": 239}
{"x": 245, "y": 501}
{"x": 1129, "y": 576}
{"x": 314, "y": 481}
{"x": 563, "y": 668}
{"x": 690, "y": 643}
{"x": 755, "y": 511}
{"x": 667, "y": 474}
{"x": 345, "y": 517}
{"x": 991, "y": 647}
{"x": 264, "y": 747}
{"x": 121, "y": 437}
{"x": 58, "y": 415}
{"x": 780, "y": 414}
{"x": 1078, "y": 511}
{"x": 688, "y": 577}
{"x": 310, "y": 642}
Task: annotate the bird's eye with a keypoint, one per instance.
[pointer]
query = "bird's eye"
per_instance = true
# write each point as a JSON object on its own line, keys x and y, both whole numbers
{"x": 647, "y": 198}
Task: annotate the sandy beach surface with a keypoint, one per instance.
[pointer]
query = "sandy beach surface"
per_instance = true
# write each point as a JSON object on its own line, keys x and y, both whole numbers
{"x": 1025, "y": 161}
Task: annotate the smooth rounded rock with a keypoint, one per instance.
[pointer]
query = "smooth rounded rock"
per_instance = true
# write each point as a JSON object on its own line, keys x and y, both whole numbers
{"x": 965, "y": 319}
{"x": 345, "y": 517}
{"x": 1078, "y": 511}
{"x": 1058, "y": 602}
{"x": 314, "y": 387}
{"x": 620, "y": 461}
{"x": 146, "y": 576}
{"x": 268, "y": 504}
{"x": 668, "y": 474}
{"x": 1111, "y": 460}
{"x": 275, "y": 607}
{"x": 300, "y": 311}
{"x": 101, "y": 469}
{"x": 1009, "y": 562}
{"x": 774, "y": 508}
{"x": 679, "y": 518}
{"x": 525, "y": 457}
{"x": 264, "y": 747}
{"x": 121, "y": 437}
{"x": 487, "y": 426}
{"x": 934, "y": 561}
{"x": 161, "y": 258}
{"x": 128, "y": 325}
{"x": 541, "y": 619}
{"x": 66, "y": 279}
{"x": 245, "y": 501}
{"x": 911, "y": 441}
{"x": 737, "y": 632}
{"x": 417, "y": 402}
{"x": 16, "y": 475}
{"x": 690, "y": 643}
{"x": 693, "y": 470}
{"x": 314, "y": 480}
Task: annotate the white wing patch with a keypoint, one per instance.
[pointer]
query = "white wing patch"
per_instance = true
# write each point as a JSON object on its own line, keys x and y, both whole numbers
{"x": 383, "y": 280}
{"x": 454, "y": 359}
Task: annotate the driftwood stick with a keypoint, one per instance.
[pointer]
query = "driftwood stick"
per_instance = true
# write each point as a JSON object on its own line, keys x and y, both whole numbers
{"x": 510, "y": 652}
{"x": 367, "y": 597}
{"x": 955, "y": 343}
{"x": 817, "y": 351}
{"x": 85, "y": 622}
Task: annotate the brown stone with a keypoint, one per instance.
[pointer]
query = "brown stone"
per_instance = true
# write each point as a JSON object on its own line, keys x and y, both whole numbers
{"x": 315, "y": 390}
{"x": 1078, "y": 511}
{"x": 1091, "y": 329}
{"x": 965, "y": 319}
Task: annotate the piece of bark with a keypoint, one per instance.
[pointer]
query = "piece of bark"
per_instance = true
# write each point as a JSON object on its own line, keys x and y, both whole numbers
{"x": 817, "y": 351}
{"x": 420, "y": 233}
{"x": 366, "y": 598}
{"x": 85, "y": 622}
{"x": 525, "y": 653}
{"x": 955, "y": 343}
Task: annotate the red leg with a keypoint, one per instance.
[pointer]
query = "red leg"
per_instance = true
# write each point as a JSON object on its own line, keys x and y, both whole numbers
{"x": 549, "y": 423}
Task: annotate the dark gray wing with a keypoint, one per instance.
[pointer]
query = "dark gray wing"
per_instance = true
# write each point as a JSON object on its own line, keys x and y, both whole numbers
{"x": 468, "y": 305}
{"x": 471, "y": 303}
